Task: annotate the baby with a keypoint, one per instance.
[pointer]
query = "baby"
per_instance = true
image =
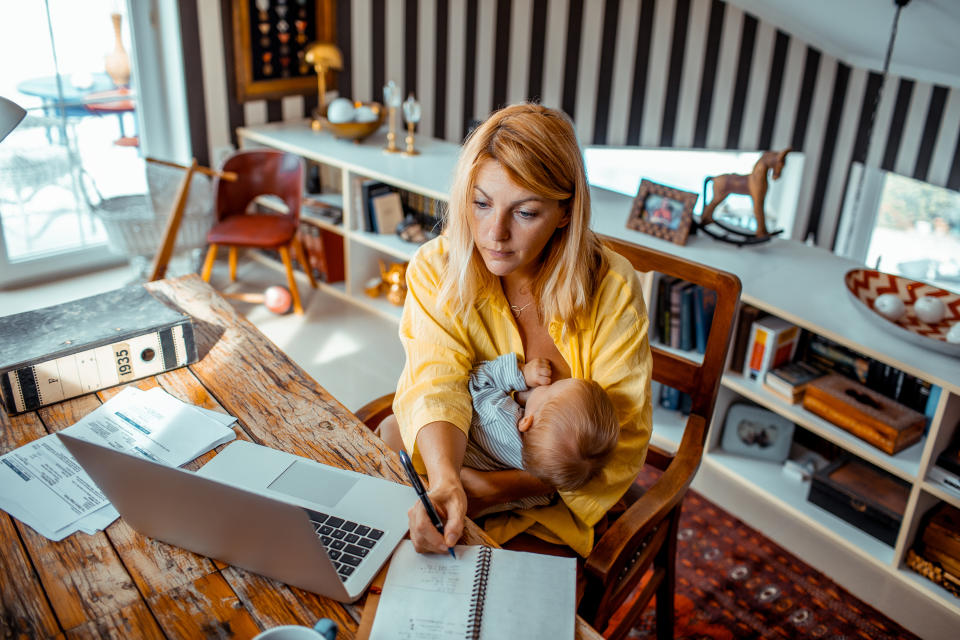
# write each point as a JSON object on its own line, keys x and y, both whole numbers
{"x": 561, "y": 432}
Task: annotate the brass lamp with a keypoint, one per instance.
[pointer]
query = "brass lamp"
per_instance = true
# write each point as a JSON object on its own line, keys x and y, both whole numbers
{"x": 324, "y": 56}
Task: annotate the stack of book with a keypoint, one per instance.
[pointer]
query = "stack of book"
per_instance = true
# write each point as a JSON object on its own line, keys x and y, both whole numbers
{"x": 683, "y": 313}
{"x": 788, "y": 381}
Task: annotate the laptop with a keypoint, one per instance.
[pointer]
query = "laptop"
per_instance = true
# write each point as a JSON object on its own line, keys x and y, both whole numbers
{"x": 307, "y": 524}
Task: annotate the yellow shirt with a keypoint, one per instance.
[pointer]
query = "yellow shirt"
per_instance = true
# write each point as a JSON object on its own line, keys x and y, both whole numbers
{"x": 612, "y": 349}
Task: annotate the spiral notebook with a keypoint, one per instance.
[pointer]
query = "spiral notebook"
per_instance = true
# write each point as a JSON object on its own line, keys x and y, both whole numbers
{"x": 483, "y": 593}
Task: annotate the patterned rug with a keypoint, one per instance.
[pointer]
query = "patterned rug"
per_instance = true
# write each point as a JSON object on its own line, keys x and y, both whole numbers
{"x": 734, "y": 584}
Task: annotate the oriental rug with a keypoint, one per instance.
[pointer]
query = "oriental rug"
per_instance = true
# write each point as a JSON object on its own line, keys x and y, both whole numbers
{"x": 733, "y": 583}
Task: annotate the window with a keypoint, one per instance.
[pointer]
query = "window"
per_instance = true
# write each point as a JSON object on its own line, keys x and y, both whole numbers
{"x": 621, "y": 169}
{"x": 903, "y": 226}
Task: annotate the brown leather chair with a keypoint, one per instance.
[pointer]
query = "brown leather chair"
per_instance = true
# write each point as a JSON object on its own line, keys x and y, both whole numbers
{"x": 259, "y": 172}
{"x": 639, "y": 535}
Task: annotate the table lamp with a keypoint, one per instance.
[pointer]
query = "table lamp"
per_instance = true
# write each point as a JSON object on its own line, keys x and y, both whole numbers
{"x": 323, "y": 56}
{"x": 10, "y": 116}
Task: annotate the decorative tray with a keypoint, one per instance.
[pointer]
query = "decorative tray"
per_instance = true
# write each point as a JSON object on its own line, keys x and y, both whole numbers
{"x": 865, "y": 285}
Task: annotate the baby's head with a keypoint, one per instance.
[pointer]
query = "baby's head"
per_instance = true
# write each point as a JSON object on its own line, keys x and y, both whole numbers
{"x": 570, "y": 430}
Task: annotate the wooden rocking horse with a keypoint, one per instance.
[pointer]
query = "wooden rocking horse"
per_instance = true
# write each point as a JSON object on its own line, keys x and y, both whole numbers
{"x": 755, "y": 185}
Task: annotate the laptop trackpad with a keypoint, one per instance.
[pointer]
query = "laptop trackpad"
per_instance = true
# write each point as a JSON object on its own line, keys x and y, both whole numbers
{"x": 316, "y": 484}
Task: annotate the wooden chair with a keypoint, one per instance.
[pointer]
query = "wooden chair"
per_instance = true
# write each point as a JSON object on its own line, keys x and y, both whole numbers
{"x": 639, "y": 535}
{"x": 259, "y": 172}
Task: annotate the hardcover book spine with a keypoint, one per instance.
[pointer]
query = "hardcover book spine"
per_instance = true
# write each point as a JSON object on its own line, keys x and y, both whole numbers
{"x": 36, "y": 385}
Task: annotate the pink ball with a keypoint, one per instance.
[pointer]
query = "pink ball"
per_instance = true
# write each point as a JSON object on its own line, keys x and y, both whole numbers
{"x": 277, "y": 299}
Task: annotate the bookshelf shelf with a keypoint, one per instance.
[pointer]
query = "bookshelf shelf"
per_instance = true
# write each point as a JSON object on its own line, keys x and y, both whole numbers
{"x": 798, "y": 283}
{"x": 905, "y": 464}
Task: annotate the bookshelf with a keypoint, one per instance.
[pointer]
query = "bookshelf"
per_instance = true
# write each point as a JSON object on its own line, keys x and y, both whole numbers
{"x": 787, "y": 279}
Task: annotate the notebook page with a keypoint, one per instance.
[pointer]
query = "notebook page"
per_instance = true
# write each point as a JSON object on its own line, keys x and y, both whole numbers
{"x": 530, "y": 595}
{"x": 426, "y": 596}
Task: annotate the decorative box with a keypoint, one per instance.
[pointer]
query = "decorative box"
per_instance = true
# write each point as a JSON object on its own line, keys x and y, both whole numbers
{"x": 862, "y": 495}
{"x": 871, "y": 416}
{"x": 940, "y": 537}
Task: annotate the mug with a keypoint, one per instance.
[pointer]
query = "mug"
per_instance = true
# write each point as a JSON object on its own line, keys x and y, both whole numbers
{"x": 325, "y": 629}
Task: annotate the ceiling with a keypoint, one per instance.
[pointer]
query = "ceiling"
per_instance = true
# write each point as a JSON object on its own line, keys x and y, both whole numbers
{"x": 927, "y": 46}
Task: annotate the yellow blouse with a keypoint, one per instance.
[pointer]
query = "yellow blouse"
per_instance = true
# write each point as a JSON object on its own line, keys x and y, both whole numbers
{"x": 612, "y": 349}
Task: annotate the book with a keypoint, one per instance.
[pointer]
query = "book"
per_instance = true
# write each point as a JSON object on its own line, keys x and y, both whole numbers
{"x": 686, "y": 317}
{"x": 369, "y": 190}
{"x": 325, "y": 207}
{"x": 387, "y": 211}
{"x": 676, "y": 308}
{"x": 662, "y": 320}
{"x": 773, "y": 342}
{"x": 484, "y": 593}
{"x": 704, "y": 304}
{"x": 789, "y": 380}
{"x": 748, "y": 314}
{"x": 63, "y": 351}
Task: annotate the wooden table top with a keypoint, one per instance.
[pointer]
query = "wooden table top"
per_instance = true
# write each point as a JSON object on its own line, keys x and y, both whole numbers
{"x": 121, "y": 584}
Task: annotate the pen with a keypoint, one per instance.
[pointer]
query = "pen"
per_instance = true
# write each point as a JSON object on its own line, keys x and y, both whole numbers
{"x": 422, "y": 493}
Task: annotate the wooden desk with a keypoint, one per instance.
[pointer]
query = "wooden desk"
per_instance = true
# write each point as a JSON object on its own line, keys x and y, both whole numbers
{"x": 121, "y": 584}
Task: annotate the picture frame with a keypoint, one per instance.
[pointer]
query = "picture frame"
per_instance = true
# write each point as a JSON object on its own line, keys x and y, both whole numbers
{"x": 269, "y": 42}
{"x": 662, "y": 211}
{"x": 750, "y": 430}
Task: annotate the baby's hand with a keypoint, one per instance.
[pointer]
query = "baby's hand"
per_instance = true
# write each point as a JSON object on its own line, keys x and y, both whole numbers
{"x": 536, "y": 373}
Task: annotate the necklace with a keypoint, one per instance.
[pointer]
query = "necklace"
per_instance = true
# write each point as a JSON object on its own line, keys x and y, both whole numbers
{"x": 518, "y": 310}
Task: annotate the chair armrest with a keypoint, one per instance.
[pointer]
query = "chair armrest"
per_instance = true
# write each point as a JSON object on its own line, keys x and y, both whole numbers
{"x": 615, "y": 547}
{"x": 372, "y": 413}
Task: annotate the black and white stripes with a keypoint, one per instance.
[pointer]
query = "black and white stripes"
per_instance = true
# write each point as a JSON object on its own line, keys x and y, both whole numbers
{"x": 653, "y": 73}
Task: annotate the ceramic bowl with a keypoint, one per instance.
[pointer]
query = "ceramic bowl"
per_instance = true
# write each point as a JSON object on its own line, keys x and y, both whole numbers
{"x": 866, "y": 285}
{"x": 356, "y": 131}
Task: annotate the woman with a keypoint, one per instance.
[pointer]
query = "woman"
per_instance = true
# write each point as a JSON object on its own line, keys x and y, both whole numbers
{"x": 519, "y": 270}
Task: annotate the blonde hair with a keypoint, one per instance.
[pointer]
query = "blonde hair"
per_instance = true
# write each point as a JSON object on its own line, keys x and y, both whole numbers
{"x": 538, "y": 149}
{"x": 574, "y": 437}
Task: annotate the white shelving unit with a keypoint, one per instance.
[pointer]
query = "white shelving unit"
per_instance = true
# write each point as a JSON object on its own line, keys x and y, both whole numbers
{"x": 801, "y": 284}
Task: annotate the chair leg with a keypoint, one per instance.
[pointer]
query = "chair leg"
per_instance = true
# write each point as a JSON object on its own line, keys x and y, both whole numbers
{"x": 297, "y": 307}
{"x": 208, "y": 263}
{"x": 666, "y": 590}
{"x": 233, "y": 264}
{"x": 302, "y": 259}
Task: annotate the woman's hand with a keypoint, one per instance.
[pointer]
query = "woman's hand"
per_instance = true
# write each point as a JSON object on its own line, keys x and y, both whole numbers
{"x": 450, "y": 501}
{"x": 441, "y": 447}
{"x": 485, "y": 489}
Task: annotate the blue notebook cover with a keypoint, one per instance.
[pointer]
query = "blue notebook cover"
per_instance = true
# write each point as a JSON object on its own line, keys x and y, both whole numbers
{"x": 686, "y": 317}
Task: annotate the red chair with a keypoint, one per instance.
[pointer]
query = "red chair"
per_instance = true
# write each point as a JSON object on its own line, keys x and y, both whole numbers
{"x": 259, "y": 172}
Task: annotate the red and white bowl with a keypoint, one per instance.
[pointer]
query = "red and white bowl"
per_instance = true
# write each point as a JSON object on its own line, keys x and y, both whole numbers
{"x": 866, "y": 285}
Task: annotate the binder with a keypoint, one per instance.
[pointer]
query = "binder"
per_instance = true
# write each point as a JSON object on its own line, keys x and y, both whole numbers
{"x": 71, "y": 349}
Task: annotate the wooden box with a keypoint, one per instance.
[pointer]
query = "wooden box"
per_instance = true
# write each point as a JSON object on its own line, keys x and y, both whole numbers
{"x": 871, "y": 416}
{"x": 940, "y": 537}
{"x": 862, "y": 495}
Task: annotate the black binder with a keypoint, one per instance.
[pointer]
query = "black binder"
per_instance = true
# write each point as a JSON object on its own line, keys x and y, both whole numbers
{"x": 67, "y": 350}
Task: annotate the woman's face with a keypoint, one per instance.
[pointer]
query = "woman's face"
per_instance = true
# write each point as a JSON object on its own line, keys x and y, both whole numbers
{"x": 511, "y": 226}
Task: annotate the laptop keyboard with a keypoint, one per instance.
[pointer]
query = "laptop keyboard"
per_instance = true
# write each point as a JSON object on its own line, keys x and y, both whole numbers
{"x": 347, "y": 543}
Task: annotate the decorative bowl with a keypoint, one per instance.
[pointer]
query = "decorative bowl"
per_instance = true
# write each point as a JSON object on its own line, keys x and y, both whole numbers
{"x": 866, "y": 285}
{"x": 356, "y": 131}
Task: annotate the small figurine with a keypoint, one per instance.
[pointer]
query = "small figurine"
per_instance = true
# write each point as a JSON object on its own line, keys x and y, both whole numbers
{"x": 392, "y": 282}
{"x": 755, "y": 185}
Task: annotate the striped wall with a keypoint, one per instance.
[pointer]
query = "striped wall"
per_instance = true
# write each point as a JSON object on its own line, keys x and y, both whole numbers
{"x": 653, "y": 73}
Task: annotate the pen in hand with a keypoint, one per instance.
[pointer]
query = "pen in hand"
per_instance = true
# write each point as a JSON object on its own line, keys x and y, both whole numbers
{"x": 422, "y": 493}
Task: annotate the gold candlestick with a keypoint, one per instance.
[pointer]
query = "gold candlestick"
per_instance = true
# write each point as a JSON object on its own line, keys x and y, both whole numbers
{"x": 391, "y": 97}
{"x": 411, "y": 113}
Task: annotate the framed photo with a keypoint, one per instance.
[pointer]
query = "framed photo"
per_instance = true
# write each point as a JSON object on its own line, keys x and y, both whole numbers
{"x": 662, "y": 212}
{"x": 270, "y": 39}
{"x": 749, "y": 430}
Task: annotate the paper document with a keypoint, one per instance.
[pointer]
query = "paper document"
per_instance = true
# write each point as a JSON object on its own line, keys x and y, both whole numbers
{"x": 483, "y": 593}
{"x": 42, "y": 485}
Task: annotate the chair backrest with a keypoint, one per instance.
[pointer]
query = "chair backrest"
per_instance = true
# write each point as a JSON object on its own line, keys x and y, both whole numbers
{"x": 645, "y": 533}
{"x": 260, "y": 172}
{"x": 701, "y": 380}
